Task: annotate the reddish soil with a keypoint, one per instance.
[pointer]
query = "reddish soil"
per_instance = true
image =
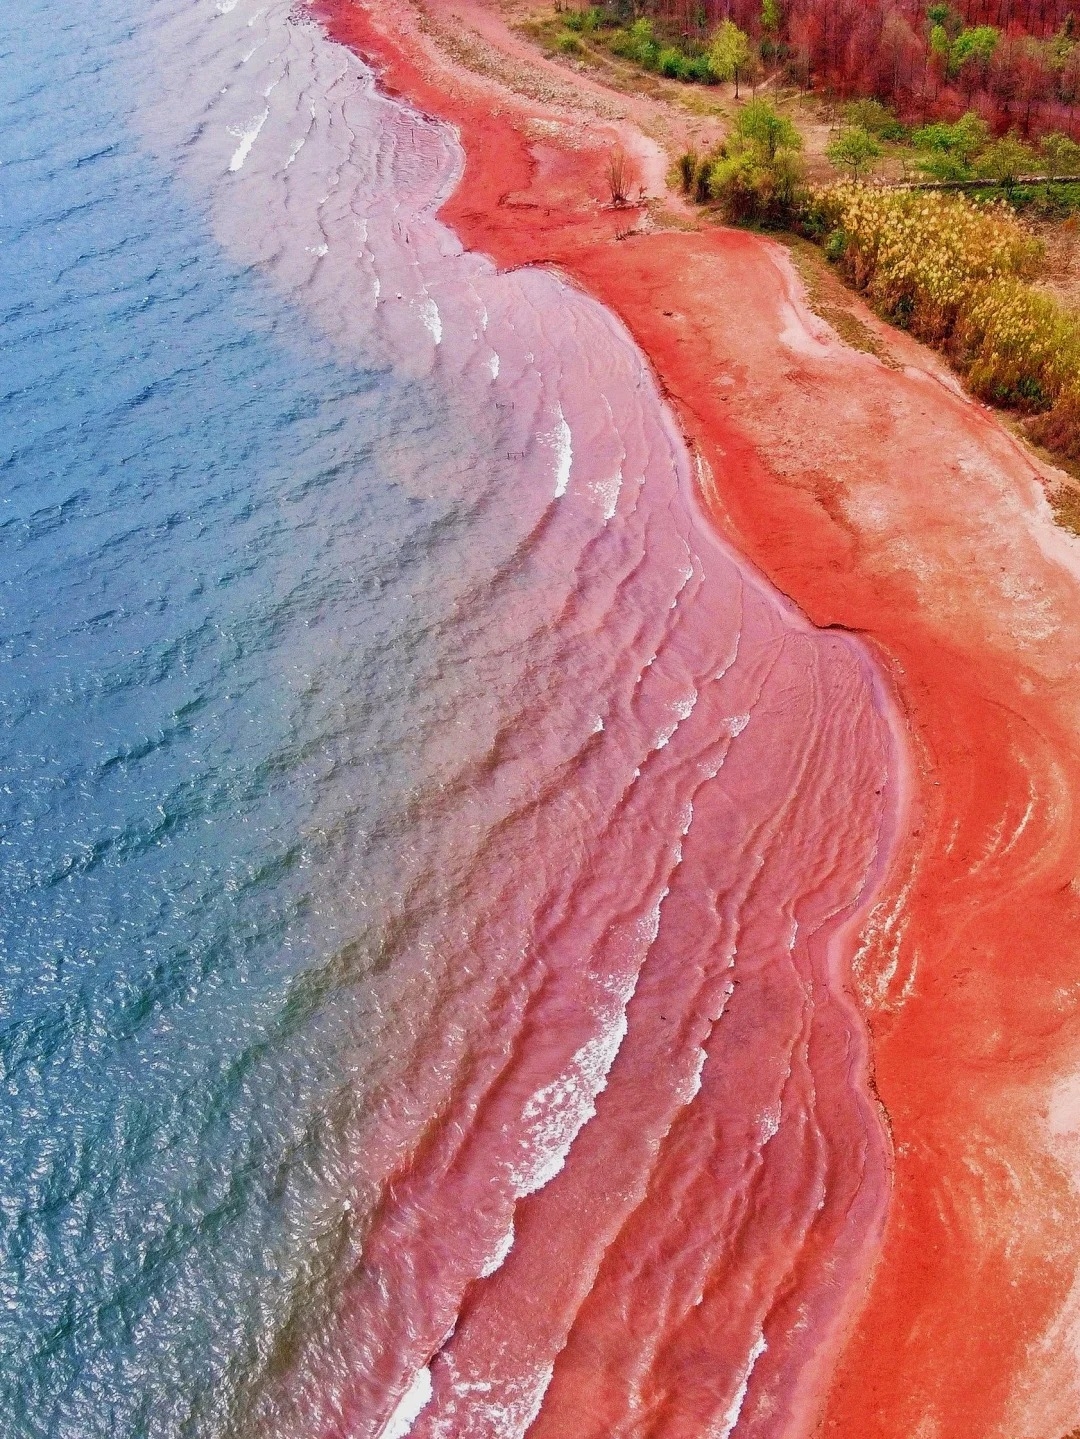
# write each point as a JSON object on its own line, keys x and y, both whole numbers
{"x": 882, "y": 500}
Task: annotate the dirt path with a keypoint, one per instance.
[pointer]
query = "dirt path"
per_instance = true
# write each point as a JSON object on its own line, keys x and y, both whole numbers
{"x": 881, "y": 499}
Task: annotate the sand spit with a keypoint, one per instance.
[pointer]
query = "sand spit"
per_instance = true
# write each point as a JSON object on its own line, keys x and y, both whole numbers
{"x": 885, "y": 502}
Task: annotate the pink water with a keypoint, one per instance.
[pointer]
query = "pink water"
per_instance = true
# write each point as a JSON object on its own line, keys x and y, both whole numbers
{"x": 619, "y": 1172}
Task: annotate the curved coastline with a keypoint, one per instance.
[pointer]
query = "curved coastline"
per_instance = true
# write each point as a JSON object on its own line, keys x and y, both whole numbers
{"x": 512, "y": 164}
{"x": 884, "y": 502}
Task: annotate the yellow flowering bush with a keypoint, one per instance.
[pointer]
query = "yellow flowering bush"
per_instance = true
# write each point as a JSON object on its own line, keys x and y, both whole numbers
{"x": 1019, "y": 346}
{"x": 958, "y": 274}
{"x": 921, "y": 257}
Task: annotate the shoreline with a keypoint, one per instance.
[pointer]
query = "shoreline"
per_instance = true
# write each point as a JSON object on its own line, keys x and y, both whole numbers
{"x": 796, "y": 497}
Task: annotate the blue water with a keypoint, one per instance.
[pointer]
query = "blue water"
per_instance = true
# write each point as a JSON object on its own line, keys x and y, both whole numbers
{"x": 216, "y": 607}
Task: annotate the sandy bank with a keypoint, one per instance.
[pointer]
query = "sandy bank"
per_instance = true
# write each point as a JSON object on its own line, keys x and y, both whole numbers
{"x": 883, "y": 501}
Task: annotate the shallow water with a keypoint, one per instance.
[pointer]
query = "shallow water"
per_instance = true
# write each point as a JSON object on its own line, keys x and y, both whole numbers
{"x": 424, "y": 843}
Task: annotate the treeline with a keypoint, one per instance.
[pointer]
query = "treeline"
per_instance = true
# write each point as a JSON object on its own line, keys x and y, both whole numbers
{"x": 1015, "y": 63}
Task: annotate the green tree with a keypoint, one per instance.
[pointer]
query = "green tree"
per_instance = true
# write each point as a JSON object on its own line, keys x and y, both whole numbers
{"x": 949, "y": 150}
{"x": 974, "y": 46}
{"x": 874, "y": 117}
{"x": 939, "y": 41}
{"x": 762, "y": 128}
{"x": 771, "y": 17}
{"x": 945, "y": 17}
{"x": 1062, "y": 155}
{"x": 729, "y": 52}
{"x": 855, "y": 150}
{"x": 757, "y": 178}
{"x": 1006, "y": 160}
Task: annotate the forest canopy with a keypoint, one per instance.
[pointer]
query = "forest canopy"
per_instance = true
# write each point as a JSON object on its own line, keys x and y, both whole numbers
{"x": 1014, "y": 63}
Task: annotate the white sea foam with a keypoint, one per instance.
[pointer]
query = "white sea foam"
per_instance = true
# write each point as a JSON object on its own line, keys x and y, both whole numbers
{"x": 247, "y": 138}
{"x": 498, "y": 1256}
{"x": 563, "y": 440}
{"x": 556, "y": 1114}
{"x": 684, "y": 708}
{"x": 770, "y": 1123}
{"x": 608, "y": 491}
{"x": 484, "y": 1409}
{"x": 649, "y": 924}
{"x": 731, "y": 1418}
{"x": 429, "y": 313}
{"x": 415, "y": 1398}
{"x": 693, "y": 1088}
{"x": 663, "y": 738}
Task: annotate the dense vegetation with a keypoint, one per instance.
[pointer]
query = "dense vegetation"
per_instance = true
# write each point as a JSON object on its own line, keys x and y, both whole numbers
{"x": 959, "y": 275}
{"x": 1014, "y": 63}
{"x": 957, "y": 272}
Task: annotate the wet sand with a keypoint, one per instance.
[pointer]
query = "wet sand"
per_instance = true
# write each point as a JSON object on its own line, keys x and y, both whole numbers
{"x": 884, "y": 502}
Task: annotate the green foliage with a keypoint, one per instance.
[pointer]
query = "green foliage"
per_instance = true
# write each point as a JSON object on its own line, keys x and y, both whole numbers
{"x": 569, "y": 43}
{"x": 944, "y": 17}
{"x": 1006, "y": 159}
{"x": 761, "y": 128}
{"x": 1061, "y": 155}
{"x": 752, "y": 191}
{"x": 703, "y": 181}
{"x": 855, "y": 150}
{"x": 584, "y": 21}
{"x": 948, "y": 151}
{"x": 1063, "y": 43}
{"x": 939, "y": 41}
{"x": 958, "y": 274}
{"x": 670, "y": 63}
{"x": 875, "y": 118}
{"x": 730, "y": 52}
{"x": 757, "y": 178}
{"x": 771, "y": 18}
{"x": 975, "y": 46}
{"x": 639, "y": 44}
{"x": 688, "y": 164}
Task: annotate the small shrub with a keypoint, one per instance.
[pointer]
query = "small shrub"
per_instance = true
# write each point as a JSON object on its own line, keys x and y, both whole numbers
{"x": 670, "y": 63}
{"x": 855, "y": 150}
{"x": 1005, "y": 160}
{"x": 697, "y": 68}
{"x": 758, "y": 176}
{"x": 584, "y": 21}
{"x": 569, "y": 44}
{"x": 1061, "y": 156}
{"x": 948, "y": 151}
{"x": 703, "y": 181}
{"x": 688, "y": 164}
{"x": 1058, "y": 430}
{"x": 618, "y": 177}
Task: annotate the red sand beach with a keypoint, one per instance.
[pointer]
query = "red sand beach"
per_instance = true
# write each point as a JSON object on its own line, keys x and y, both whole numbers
{"x": 882, "y": 501}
